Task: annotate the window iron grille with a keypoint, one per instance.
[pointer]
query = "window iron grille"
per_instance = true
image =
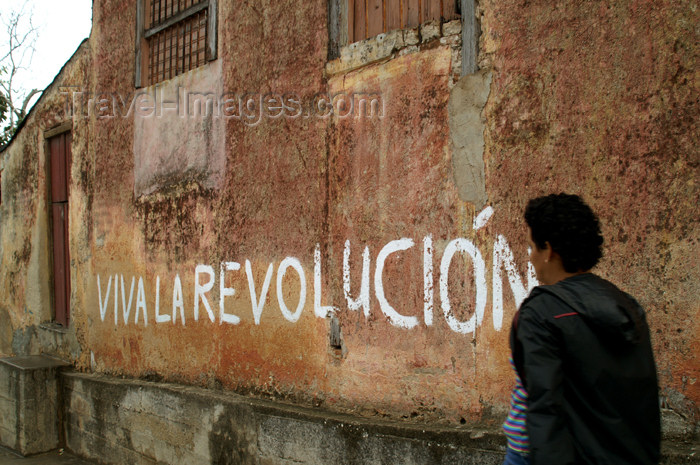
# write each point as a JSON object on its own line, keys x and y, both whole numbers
{"x": 176, "y": 36}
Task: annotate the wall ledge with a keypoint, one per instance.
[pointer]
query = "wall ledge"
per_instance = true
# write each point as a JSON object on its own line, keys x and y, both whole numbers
{"x": 397, "y": 43}
{"x": 119, "y": 420}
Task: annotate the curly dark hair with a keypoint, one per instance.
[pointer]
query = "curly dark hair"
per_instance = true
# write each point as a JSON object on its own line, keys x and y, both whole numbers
{"x": 570, "y": 227}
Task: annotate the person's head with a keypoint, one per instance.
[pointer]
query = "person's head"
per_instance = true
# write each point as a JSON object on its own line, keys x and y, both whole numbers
{"x": 564, "y": 231}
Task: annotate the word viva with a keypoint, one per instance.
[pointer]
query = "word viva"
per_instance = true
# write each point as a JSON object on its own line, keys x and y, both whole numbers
{"x": 205, "y": 280}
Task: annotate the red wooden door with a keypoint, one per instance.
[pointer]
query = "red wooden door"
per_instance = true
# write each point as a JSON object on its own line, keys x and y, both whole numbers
{"x": 60, "y": 155}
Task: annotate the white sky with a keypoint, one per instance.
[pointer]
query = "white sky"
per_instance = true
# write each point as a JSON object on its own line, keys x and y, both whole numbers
{"x": 62, "y": 25}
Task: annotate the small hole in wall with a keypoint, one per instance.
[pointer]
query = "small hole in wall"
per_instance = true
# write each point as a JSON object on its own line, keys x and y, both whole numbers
{"x": 336, "y": 338}
{"x": 338, "y": 349}
{"x": 462, "y": 421}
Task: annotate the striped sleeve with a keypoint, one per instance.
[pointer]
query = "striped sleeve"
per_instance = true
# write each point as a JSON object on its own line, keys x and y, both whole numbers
{"x": 515, "y": 427}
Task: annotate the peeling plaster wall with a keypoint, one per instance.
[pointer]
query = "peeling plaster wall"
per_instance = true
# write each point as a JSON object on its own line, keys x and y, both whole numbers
{"x": 596, "y": 99}
{"x": 185, "y": 106}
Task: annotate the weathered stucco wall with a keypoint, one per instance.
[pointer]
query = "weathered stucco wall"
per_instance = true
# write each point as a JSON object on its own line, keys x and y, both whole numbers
{"x": 25, "y": 237}
{"x": 601, "y": 100}
{"x": 272, "y": 215}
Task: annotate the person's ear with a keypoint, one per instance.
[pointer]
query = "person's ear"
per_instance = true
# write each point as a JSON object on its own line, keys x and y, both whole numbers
{"x": 548, "y": 252}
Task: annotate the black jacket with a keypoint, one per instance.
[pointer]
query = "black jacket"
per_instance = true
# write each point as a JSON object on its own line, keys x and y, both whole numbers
{"x": 582, "y": 349}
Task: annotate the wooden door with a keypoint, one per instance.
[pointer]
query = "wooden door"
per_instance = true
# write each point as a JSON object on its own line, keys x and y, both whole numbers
{"x": 60, "y": 154}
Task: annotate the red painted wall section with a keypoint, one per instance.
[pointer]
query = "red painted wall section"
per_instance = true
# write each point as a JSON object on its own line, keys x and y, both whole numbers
{"x": 553, "y": 123}
{"x": 599, "y": 100}
{"x": 390, "y": 179}
{"x": 270, "y": 206}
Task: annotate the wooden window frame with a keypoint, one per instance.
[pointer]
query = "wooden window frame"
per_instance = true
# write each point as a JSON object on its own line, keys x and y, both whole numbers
{"x": 143, "y": 34}
{"x": 471, "y": 30}
{"x": 338, "y": 16}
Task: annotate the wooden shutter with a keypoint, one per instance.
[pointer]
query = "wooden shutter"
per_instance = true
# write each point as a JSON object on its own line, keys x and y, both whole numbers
{"x": 368, "y": 18}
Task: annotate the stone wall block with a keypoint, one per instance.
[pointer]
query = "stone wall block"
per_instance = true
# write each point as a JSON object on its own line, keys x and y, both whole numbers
{"x": 29, "y": 414}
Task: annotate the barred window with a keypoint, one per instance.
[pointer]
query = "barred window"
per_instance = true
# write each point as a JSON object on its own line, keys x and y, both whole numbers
{"x": 174, "y": 36}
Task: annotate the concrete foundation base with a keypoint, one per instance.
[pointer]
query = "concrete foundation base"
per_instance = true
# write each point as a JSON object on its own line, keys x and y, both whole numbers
{"x": 118, "y": 421}
{"x": 131, "y": 421}
{"x": 128, "y": 421}
{"x": 29, "y": 400}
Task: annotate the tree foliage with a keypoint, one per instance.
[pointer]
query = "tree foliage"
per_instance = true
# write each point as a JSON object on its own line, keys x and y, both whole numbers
{"x": 20, "y": 36}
